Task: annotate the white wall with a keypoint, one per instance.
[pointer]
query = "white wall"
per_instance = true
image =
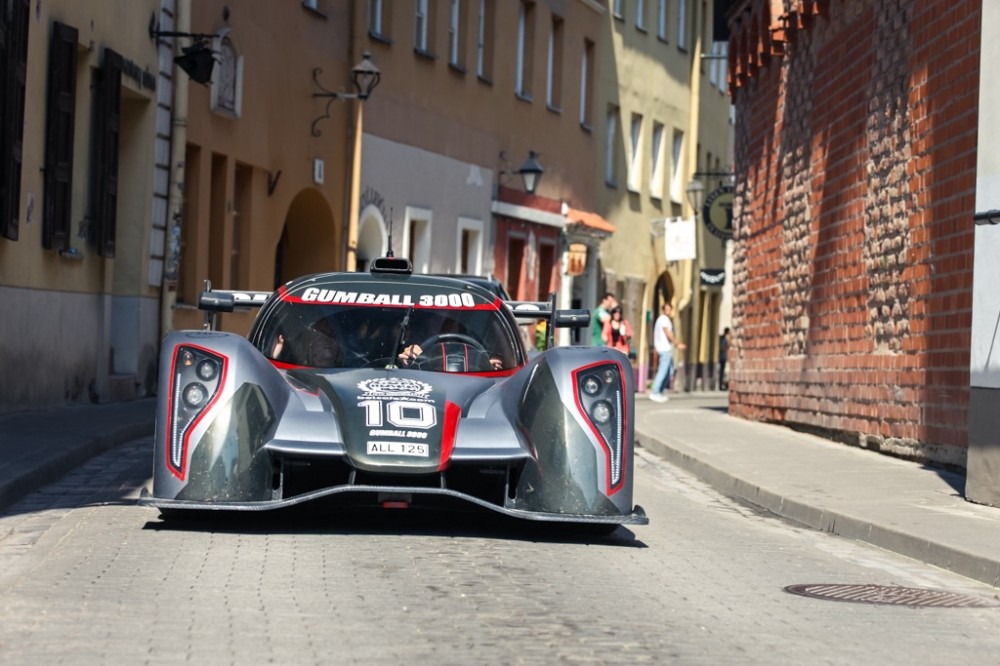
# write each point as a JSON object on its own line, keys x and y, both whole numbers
{"x": 985, "y": 353}
{"x": 408, "y": 177}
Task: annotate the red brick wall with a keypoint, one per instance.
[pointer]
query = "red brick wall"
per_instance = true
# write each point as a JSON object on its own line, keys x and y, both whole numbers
{"x": 856, "y": 155}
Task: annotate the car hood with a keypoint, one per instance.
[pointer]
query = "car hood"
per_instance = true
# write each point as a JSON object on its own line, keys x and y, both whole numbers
{"x": 397, "y": 421}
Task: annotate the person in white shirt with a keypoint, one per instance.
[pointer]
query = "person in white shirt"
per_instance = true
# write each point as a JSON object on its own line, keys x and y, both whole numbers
{"x": 664, "y": 342}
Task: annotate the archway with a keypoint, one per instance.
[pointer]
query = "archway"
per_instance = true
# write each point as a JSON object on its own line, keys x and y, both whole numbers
{"x": 308, "y": 241}
{"x": 372, "y": 237}
{"x": 659, "y": 290}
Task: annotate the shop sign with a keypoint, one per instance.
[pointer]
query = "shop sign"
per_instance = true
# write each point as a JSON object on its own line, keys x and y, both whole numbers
{"x": 718, "y": 212}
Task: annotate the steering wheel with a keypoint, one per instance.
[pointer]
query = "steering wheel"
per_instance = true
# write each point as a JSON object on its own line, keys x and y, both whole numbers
{"x": 452, "y": 337}
{"x": 431, "y": 356}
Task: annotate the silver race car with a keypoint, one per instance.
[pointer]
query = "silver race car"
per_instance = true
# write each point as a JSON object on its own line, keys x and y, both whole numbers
{"x": 395, "y": 390}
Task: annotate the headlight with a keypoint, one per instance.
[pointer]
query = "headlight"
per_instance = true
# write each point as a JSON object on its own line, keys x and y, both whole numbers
{"x": 600, "y": 399}
{"x": 198, "y": 376}
{"x": 195, "y": 394}
{"x": 207, "y": 370}
{"x": 601, "y": 411}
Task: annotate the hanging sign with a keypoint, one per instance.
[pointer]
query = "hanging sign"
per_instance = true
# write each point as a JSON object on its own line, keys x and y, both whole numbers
{"x": 718, "y": 212}
{"x": 679, "y": 239}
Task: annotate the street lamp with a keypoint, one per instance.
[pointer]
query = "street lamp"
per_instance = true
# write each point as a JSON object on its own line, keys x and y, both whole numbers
{"x": 696, "y": 195}
{"x": 197, "y": 60}
{"x": 365, "y": 76}
{"x": 531, "y": 171}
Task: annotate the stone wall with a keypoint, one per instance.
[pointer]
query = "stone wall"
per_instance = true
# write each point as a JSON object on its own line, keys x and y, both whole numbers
{"x": 855, "y": 161}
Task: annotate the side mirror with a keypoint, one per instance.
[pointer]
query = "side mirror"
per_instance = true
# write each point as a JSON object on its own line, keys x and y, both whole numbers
{"x": 216, "y": 301}
{"x": 571, "y": 318}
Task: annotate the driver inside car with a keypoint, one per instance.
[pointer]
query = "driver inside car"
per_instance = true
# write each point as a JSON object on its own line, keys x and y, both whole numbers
{"x": 456, "y": 355}
{"x": 411, "y": 354}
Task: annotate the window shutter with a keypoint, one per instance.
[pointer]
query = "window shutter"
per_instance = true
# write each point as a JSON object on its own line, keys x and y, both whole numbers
{"x": 59, "y": 137}
{"x": 14, "y": 59}
{"x": 105, "y": 183}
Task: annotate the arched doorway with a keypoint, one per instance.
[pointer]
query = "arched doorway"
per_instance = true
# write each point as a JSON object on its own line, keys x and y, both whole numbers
{"x": 658, "y": 291}
{"x": 308, "y": 241}
{"x": 373, "y": 240}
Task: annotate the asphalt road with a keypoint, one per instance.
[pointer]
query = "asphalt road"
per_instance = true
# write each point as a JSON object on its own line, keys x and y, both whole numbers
{"x": 87, "y": 577}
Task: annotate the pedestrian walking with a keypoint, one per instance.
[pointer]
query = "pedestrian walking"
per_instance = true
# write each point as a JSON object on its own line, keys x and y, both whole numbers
{"x": 724, "y": 341}
{"x": 664, "y": 342}
{"x": 602, "y": 314}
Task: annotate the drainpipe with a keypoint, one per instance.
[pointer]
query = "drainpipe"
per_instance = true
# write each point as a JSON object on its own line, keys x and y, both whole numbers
{"x": 692, "y": 299}
{"x": 175, "y": 196}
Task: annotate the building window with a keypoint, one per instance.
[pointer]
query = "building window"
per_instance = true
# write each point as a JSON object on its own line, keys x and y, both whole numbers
{"x": 227, "y": 86}
{"x": 635, "y": 154}
{"x": 517, "y": 247}
{"x": 417, "y": 238}
{"x": 107, "y": 130}
{"x": 421, "y": 26}
{"x": 609, "y": 147}
{"x": 661, "y": 19}
{"x": 618, "y": 9}
{"x": 586, "y": 83}
{"x": 547, "y": 269}
{"x": 379, "y": 19}
{"x": 469, "y": 259}
{"x": 59, "y": 128}
{"x": 525, "y": 42}
{"x": 455, "y": 34}
{"x": 640, "y": 15}
{"x": 656, "y": 162}
{"x": 484, "y": 39}
{"x": 682, "y": 25}
{"x": 553, "y": 92}
{"x": 676, "y": 177}
{"x": 12, "y": 86}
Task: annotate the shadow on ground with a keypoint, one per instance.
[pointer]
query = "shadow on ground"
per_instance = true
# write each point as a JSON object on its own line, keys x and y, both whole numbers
{"x": 317, "y": 518}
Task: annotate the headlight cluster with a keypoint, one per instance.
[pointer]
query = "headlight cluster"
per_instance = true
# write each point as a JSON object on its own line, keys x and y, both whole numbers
{"x": 197, "y": 375}
{"x": 601, "y": 400}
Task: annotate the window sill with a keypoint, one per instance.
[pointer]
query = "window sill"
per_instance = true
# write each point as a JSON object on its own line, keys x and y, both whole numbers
{"x": 485, "y": 80}
{"x": 587, "y": 127}
{"x": 554, "y": 109}
{"x": 379, "y": 37}
{"x": 427, "y": 55}
{"x": 315, "y": 11}
{"x": 524, "y": 97}
{"x": 458, "y": 69}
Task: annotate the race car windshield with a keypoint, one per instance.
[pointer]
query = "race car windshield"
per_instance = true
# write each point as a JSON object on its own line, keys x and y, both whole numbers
{"x": 349, "y": 336}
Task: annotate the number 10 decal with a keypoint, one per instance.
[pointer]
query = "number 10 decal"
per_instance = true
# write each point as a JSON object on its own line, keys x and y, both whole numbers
{"x": 400, "y": 413}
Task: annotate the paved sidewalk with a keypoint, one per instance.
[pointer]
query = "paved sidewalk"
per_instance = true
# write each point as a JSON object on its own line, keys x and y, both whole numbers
{"x": 893, "y": 504}
{"x": 38, "y": 447}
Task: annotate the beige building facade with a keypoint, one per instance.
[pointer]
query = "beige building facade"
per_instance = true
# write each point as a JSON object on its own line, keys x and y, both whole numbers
{"x": 141, "y": 179}
{"x": 83, "y": 189}
{"x": 664, "y": 122}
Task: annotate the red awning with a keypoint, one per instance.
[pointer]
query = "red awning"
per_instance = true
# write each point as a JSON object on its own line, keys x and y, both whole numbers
{"x": 592, "y": 221}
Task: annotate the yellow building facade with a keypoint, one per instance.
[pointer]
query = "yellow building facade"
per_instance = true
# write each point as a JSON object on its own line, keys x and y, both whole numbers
{"x": 665, "y": 123}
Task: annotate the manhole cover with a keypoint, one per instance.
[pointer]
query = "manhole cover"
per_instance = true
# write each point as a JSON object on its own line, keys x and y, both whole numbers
{"x": 891, "y": 595}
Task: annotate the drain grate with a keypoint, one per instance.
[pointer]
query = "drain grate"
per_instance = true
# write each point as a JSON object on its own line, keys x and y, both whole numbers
{"x": 891, "y": 595}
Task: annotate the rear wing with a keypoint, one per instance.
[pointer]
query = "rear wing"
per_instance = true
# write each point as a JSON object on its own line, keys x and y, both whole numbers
{"x": 214, "y": 301}
{"x": 547, "y": 310}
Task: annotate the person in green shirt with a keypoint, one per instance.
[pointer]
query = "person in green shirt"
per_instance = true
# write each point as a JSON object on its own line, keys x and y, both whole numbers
{"x": 602, "y": 313}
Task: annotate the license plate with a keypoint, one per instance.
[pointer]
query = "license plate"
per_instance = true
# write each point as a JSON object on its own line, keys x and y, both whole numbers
{"x": 397, "y": 449}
